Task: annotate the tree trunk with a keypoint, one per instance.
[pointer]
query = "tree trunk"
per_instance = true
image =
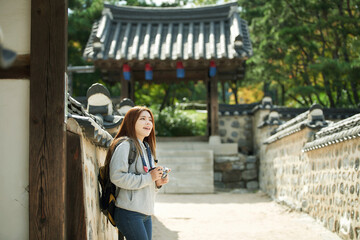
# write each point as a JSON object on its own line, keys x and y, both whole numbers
{"x": 353, "y": 85}
{"x": 282, "y": 94}
{"x": 166, "y": 97}
{"x": 328, "y": 90}
{"x": 223, "y": 91}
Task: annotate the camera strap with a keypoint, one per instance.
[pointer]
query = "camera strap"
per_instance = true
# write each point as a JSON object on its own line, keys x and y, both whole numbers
{"x": 148, "y": 151}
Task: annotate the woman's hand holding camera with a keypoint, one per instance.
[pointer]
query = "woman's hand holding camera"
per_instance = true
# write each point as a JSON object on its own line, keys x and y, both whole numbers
{"x": 162, "y": 181}
{"x": 158, "y": 177}
{"x": 156, "y": 173}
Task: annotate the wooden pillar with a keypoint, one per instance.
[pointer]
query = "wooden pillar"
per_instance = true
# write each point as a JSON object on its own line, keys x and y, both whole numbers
{"x": 124, "y": 88}
{"x": 127, "y": 89}
{"x": 47, "y": 150}
{"x": 212, "y": 105}
{"x": 75, "y": 208}
{"x": 132, "y": 89}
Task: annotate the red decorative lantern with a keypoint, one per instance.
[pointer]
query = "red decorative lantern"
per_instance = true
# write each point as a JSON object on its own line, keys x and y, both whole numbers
{"x": 212, "y": 69}
{"x": 126, "y": 72}
{"x": 180, "y": 71}
{"x": 148, "y": 72}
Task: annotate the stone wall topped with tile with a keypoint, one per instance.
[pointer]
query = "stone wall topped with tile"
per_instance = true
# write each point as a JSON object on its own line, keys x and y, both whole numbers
{"x": 312, "y": 165}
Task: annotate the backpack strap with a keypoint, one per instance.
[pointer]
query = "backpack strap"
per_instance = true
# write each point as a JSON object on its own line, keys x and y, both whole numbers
{"x": 132, "y": 152}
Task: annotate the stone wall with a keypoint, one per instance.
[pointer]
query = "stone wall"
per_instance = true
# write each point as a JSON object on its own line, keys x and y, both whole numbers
{"x": 93, "y": 143}
{"x": 312, "y": 165}
{"x": 333, "y": 184}
{"x": 237, "y": 129}
{"x": 234, "y": 172}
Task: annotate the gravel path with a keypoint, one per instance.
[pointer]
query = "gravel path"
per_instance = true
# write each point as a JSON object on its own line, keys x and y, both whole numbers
{"x": 231, "y": 216}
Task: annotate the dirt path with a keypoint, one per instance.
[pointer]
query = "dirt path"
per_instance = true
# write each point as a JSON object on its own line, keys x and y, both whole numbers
{"x": 231, "y": 216}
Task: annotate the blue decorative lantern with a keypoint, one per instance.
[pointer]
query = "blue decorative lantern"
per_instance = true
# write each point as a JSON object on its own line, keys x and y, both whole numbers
{"x": 126, "y": 72}
{"x": 212, "y": 69}
{"x": 180, "y": 71}
{"x": 148, "y": 72}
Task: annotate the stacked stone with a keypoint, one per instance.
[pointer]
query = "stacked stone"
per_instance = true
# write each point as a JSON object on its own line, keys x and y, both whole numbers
{"x": 334, "y": 186}
{"x": 312, "y": 165}
{"x": 237, "y": 129}
{"x": 236, "y": 172}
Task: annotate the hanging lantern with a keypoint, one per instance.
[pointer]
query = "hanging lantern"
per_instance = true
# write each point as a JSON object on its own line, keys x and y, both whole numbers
{"x": 148, "y": 72}
{"x": 180, "y": 71}
{"x": 212, "y": 69}
{"x": 126, "y": 72}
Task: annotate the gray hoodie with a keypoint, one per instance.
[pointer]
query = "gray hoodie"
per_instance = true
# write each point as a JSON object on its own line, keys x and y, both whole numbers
{"x": 137, "y": 189}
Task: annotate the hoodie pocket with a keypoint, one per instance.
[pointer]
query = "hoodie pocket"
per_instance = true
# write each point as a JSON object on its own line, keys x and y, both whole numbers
{"x": 131, "y": 194}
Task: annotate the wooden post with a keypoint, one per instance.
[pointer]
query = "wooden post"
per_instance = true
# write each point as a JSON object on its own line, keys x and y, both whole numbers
{"x": 132, "y": 89}
{"x": 75, "y": 209}
{"x": 124, "y": 88}
{"x": 47, "y": 150}
{"x": 212, "y": 105}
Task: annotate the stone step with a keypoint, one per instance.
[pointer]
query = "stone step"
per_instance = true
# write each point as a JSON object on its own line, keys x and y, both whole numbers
{"x": 217, "y": 148}
{"x": 192, "y": 170}
{"x": 189, "y": 182}
{"x": 162, "y": 156}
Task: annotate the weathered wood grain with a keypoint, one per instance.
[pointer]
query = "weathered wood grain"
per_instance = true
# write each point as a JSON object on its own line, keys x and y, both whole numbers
{"x": 47, "y": 150}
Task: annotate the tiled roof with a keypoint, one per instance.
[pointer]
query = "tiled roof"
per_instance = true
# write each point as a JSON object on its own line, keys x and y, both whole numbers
{"x": 313, "y": 118}
{"x": 140, "y": 33}
{"x": 90, "y": 125}
{"x": 337, "y": 132}
{"x": 238, "y": 109}
{"x": 284, "y": 112}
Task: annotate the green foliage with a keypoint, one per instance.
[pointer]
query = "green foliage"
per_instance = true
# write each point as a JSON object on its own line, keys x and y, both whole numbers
{"x": 174, "y": 122}
{"x": 152, "y": 94}
{"x": 82, "y": 15}
{"x": 305, "y": 51}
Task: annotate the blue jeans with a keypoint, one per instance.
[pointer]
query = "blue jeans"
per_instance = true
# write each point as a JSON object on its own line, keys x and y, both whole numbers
{"x": 133, "y": 225}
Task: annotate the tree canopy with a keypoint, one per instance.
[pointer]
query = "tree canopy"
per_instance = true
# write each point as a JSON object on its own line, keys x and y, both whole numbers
{"x": 305, "y": 51}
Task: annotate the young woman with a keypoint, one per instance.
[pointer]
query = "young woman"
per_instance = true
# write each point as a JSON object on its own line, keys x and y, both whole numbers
{"x": 138, "y": 182}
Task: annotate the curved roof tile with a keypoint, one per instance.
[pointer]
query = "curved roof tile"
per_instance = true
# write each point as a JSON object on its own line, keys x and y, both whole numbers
{"x": 129, "y": 33}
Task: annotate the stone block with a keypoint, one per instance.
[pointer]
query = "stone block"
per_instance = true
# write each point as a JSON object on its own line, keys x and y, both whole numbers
{"x": 251, "y": 166}
{"x": 235, "y": 124}
{"x": 222, "y": 132}
{"x": 217, "y": 176}
{"x": 214, "y": 140}
{"x": 232, "y": 176}
{"x": 238, "y": 165}
{"x": 242, "y": 142}
{"x": 251, "y": 159}
{"x": 235, "y": 185}
{"x": 242, "y": 157}
{"x": 249, "y": 174}
{"x": 224, "y": 149}
{"x": 219, "y": 185}
{"x": 252, "y": 185}
{"x": 230, "y": 140}
{"x": 221, "y": 159}
{"x": 234, "y": 134}
{"x": 223, "y": 167}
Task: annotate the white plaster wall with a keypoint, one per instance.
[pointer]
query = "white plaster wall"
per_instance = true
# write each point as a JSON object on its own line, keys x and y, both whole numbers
{"x": 15, "y": 16}
{"x": 14, "y": 159}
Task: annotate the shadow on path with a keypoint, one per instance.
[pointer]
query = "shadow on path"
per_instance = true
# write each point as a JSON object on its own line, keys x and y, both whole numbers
{"x": 160, "y": 231}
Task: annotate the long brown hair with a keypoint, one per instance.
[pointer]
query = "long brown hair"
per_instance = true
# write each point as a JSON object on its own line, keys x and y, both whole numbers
{"x": 127, "y": 129}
